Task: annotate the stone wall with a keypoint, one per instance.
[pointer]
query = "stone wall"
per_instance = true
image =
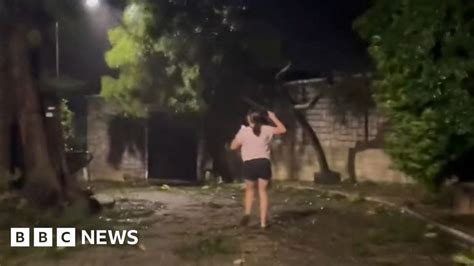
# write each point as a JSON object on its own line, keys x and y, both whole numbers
{"x": 117, "y": 145}
{"x": 352, "y": 141}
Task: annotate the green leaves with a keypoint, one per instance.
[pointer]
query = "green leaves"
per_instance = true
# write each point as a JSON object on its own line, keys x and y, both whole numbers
{"x": 170, "y": 55}
{"x": 423, "y": 63}
{"x": 137, "y": 18}
{"x": 126, "y": 49}
{"x": 151, "y": 71}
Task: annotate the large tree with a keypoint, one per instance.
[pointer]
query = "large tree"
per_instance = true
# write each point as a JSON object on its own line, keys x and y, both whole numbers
{"x": 194, "y": 57}
{"x": 31, "y": 143}
{"x": 423, "y": 55}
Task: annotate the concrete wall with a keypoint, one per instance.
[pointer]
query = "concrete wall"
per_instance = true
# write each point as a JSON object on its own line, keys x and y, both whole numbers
{"x": 352, "y": 141}
{"x": 118, "y": 145}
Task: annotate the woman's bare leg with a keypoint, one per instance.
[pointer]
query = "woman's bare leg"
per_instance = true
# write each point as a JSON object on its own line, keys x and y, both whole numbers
{"x": 249, "y": 196}
{"x": 262, "y": 193}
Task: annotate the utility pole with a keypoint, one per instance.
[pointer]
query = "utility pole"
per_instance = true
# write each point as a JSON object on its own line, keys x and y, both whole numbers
{"x": 57, "y": 49}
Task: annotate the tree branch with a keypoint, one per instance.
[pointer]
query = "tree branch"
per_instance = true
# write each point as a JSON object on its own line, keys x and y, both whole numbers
{"x": 309, "y": 104}
{"x": 285, "y": 69}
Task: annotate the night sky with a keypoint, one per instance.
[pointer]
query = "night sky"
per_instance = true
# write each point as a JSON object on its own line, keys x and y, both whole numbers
{"x": 317, "y": 35}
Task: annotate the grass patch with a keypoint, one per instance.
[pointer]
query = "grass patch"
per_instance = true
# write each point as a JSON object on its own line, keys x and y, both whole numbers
{"x": 464, "y": 258}
{"x": 395, "y": 228}
{"x": 209, "y": 247}
{"x": 442, "y": 199}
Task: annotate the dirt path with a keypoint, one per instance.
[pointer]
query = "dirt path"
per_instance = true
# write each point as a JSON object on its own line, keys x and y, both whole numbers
{"x": 193, "y": 226}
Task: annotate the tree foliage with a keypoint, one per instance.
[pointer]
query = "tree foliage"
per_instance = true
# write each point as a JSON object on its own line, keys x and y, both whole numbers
{"x": 178, "y": 56}
{"x": 423, "y": 54}
{"x": 193, "y": 57}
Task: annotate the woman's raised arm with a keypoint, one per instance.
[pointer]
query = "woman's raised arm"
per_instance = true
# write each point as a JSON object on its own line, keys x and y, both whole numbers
{"x": 280, "y": 128}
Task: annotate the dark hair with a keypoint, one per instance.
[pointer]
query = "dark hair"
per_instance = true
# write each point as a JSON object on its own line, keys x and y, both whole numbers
{"x": 257, "y": 119}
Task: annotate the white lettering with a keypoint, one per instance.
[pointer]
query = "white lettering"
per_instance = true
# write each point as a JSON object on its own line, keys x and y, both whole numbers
{"x": 66, "y": 237}
{"x": 19, "y": 237}
{"x": 132, "y": 237}
{"x": 101, "y": 237}
{"x": 117, "y": 236}
{"x": 89, "y": 236}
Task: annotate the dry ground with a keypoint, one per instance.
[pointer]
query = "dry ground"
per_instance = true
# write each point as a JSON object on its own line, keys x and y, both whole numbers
{"x": 195, "y": 226}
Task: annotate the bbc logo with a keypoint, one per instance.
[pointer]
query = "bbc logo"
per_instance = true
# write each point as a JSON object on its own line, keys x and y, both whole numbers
{"x": 66, "y": 237}
{"x": 42, "y": 237}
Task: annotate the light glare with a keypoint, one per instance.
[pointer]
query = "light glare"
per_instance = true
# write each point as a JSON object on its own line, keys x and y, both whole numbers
{"x": 92, "y": 3}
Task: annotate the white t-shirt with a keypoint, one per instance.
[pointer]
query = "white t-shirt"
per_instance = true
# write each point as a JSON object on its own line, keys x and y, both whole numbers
{"x": 253, "y": 146}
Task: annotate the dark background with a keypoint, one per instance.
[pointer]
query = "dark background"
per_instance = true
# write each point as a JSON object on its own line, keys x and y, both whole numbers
{"x": 317, "y": 36}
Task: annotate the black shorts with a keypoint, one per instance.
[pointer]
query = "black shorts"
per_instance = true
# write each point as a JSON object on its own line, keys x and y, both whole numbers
{"x": 257, "y": 168}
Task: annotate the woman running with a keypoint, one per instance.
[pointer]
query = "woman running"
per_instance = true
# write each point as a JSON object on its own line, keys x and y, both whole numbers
{"x": 254, "y": 141}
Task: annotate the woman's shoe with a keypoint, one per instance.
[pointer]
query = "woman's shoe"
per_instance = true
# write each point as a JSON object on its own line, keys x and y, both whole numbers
{"x": 265, "y": 226}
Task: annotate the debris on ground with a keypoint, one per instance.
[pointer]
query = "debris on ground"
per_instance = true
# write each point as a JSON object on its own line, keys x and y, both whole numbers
{"x": 431, "y": 235}
{"x": 239, "y": 262}
{"x": 142, "y": 247}
{"x": 105, "y": 200}
{"x": 199, "y": 227}
{"x": 165, "y": 187}
{"x": 464, "y": 259}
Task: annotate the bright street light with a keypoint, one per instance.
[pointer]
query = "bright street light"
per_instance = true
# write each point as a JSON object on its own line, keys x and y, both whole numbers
{"x": 92, "y": 3}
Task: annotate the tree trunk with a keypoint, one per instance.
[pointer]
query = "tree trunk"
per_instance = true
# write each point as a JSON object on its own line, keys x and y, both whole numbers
{"x": 5, "y": 114}
{"x": 27, "y": 140}
{"x": 318, "y": 148}
{"x": 42, "y": 185}
{"x": 201, "y": 154}
{"x": 216, "y": 144}
{"x": 326, "y": 175}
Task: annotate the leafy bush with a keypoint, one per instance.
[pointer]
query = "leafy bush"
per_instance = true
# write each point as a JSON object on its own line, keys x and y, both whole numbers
{"x": 424, "y": 84}
{"x": 67, "y": 123}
